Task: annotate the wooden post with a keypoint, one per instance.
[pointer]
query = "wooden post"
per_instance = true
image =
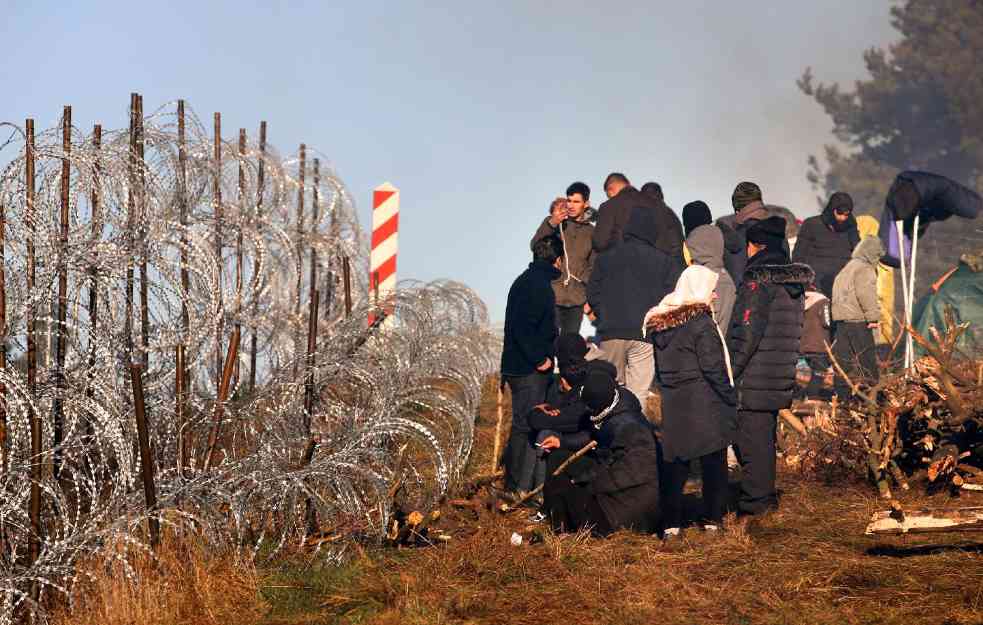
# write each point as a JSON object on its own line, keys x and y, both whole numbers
{"x": 223, "y": 393}
{"x": 218, "y": 212}
{"x": 260, "y": 183}
{"x": 142, "y": 212}
{"x": 311, "y": 349}
{"x": 130, "y": 225}
{"x": 242, "y": 211}
{"x": 34, "y": 511}
{"x": 300, "y": 247}
{"x": 179, "y": 410}
{"x": 61, "y": 342}
{"x": 315, "y": 214}
{"x": 497, "y": 448}
{"x": 96, "y": 219}
{"x": 146, "y": 458}
{"x": 346, "y": 269}
{"x": 3, "y": 345}
{"x": 182, "y": 190}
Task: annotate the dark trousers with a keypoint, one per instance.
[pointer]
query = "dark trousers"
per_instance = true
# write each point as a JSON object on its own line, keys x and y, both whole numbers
{"x": 856, "y": 352}
{"x": 817, "y": 389}
{"x": 755, "y": 442}
{"x": 570, "y": 507}
{"x": 569, "y": 318}
{"x": 528, "y": 391}
{"x": 674, "y": 475}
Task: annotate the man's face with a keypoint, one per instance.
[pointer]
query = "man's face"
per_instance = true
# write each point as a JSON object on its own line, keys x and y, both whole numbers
{"x": 576, "y": 205}
{"x": 613, "y": 188}
{"x": 841, "y": 217}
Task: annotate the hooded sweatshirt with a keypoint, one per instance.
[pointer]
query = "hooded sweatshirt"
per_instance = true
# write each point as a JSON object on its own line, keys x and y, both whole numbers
{"x": 855, "y": 288}
{"x": 706, "y": 248}
{"x": 571, "y": 287}
{"x": 816, "y": 323}
{"x": 630, "y": 278}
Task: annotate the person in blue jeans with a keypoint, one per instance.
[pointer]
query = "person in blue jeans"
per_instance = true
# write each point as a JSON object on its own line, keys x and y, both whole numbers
{"x": 527, "y": 355}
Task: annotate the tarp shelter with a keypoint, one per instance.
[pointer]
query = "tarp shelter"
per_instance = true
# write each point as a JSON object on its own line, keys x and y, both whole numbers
{"x": 962, "y": 290}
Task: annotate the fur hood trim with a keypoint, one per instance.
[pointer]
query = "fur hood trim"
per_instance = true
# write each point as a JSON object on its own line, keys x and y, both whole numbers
{"x": 793, "y": 273}
{"x": 676, "y": 317}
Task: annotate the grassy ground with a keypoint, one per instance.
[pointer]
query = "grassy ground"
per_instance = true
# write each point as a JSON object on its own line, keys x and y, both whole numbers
{"x": 807, "y": 563}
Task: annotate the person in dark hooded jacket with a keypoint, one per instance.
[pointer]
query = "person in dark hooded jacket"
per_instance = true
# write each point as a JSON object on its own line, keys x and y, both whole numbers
{"x": 626, "y": 281}
{"x": 698, "y": 397}
{"x": 748, "y": 208}
{"x": 826, "y": 241}
{"x": 613, "y": 216}
{"x": 764, "y": 337}
{"x": 618, "y": 485}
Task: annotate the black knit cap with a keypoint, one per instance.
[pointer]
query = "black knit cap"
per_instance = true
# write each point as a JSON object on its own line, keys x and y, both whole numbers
{"x": 768, "y": 232}
{"x": 840, "y": 202}
{"x": 744, "y": 194}
{"x": 696, "y": 214}
{"x": 598, "y": 392}
{"x": 570, "y": 349}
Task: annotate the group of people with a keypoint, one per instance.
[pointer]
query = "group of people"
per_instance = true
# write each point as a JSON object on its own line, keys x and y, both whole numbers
{"x": 717, "y": 316}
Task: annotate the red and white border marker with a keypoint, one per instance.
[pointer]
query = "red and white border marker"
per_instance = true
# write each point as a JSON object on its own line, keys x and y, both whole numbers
{"x": 385, "y": 243}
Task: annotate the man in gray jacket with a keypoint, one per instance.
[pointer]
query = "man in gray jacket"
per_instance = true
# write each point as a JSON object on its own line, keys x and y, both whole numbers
{"x": 570, "y": 222}
{"x": 857, "y": 312}
{"x": 706, "y": 247}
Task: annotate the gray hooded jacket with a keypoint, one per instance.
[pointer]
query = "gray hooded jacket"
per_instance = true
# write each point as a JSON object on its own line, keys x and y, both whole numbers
{"x": 855, "y": 287}
{"x": 706, "y": 247}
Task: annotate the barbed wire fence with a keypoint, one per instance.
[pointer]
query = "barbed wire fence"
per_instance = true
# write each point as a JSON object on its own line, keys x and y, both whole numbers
{"x": 157, "y": 285}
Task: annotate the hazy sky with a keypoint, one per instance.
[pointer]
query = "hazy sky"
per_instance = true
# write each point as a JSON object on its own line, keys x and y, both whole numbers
{"x": 479, "y": 112}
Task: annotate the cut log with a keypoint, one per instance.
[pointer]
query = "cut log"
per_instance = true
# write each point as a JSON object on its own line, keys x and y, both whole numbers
{"x": 895, "y": 522}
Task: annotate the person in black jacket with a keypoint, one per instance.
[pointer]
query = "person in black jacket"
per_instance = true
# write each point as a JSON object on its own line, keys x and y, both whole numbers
{"x": 826, "y": 241}
{"x": 527, "y": 354}
{"x": 698, "y": 397}
{"x": 626, "y": 281}
{"x": 613, "y": 216}
{"x": 765, "y": 330}
{"x": 617, "y": 484}
{"x": 749, "y": 207}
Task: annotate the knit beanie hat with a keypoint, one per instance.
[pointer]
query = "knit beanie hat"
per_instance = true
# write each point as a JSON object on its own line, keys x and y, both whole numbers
{"x": 570, "y": 349}
{"x": 744, "y": 194}
{"x": 599, "y": 391}
{"x": 696, "y": 214}
{"x": 768, "y": 232}
{"x": 840, "y": 202}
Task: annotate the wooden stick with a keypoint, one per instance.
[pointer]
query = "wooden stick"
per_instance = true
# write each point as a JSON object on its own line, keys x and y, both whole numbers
{"x": 61, "y": 342}
{"x": 260, "y": 185}
{"x": 300, "y": 248}
{"x": 894, "y": 522}
{"x": 219, "y": 214}
{"x": 560, "y": 469}
{"x": 311, "y": 350}
{"x": 223, "y": 393}
{"x": 3, "y": 344}
{"x": 146, "y": 458}
{"x": 141, "y": 211}
{"x": 180, "y": 415}
{"x": 794, "y": 422}
{"x": 130, "y": 226}
{"x": 34, "y": 510}
{"x": 498, "y": 431}
{"x": 346, "y": 269}
{"x": 853, "y": 387}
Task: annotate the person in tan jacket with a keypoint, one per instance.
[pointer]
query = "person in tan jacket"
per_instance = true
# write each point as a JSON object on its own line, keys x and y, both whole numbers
{"x": 857, "y": 313}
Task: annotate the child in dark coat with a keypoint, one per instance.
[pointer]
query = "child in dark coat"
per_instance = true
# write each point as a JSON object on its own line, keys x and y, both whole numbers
{"x": 698, "y": 397}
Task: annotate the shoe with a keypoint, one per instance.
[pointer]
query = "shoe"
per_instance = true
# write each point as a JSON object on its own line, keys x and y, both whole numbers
{"x": 711, "y": 527}
{"x": 537, "y": 517}
{"x": 671, "y": 534}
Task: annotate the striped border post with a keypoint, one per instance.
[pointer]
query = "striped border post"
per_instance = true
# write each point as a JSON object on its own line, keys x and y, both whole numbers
{"x": 385, "y": 227}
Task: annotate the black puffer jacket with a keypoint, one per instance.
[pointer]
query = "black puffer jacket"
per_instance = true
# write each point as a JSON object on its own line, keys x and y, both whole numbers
{"x": 826, "y": 247}
{"x": 613, "y": 217}
{"x": 765, "y": 330}
{"x": 530, "y": 320}
{"x": 698, "y": 402}
{"x": 625, "y": 478}
{"x": 630, "y": 278}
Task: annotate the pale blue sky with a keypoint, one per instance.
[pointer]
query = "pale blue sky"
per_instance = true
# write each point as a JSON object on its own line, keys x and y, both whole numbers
{"x": 479, "y": 112}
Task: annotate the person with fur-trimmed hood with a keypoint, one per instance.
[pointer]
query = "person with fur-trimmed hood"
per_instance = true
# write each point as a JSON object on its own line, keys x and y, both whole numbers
{"x": 826, "y": 241}
{"x": 698, "y": 398}
{"x": 764, "y": 337}
{"x": 616, "y": 486}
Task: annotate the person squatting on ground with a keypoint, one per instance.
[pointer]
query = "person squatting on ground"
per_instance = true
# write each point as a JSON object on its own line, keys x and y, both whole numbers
{"x": 527, "y": 354}
{"x": 748, "y": 208}
{"x": 570, "y": 221}
{"x": 856, "y": 313}
{"x": 816, "y": 333}
{"x": 613, "y": 216}
{"x": 698, "y": 396}
{"x": 626, "y": 281}
{"x": 826, "y": 241}
{"x": 764, "y": 335}
{"x": 706, "y": 248}
{"x": 615, "y": 486}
